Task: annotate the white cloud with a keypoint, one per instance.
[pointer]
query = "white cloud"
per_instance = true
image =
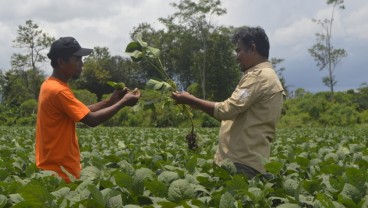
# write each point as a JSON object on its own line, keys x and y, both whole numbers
{"x": 357, "y": 24}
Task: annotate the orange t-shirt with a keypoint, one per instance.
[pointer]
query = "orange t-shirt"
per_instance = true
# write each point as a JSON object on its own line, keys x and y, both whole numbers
{"x": 56, "y": 138}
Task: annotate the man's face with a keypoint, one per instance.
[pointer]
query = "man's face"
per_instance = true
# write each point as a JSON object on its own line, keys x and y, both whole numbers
{"x": 73, "y": 67}
{"x": 244, "y": 56}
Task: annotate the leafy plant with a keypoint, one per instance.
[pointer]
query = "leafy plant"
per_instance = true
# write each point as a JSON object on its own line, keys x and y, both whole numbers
{"x": 116, "y": 85}
{"x": 139, "y": 50}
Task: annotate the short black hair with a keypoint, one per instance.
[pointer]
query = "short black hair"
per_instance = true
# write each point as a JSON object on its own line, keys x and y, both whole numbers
{"x": 54, "y": 62}
{"x": 253, "y": 35}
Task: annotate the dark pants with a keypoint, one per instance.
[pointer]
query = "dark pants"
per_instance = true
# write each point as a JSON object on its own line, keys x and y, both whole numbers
{"x": 246, "y": 170}
{"x": 251, "y": 172}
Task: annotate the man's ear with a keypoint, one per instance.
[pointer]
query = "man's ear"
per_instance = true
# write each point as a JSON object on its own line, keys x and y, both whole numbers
{"x": 60, "y": 61}
{"x": 253, "y": 47}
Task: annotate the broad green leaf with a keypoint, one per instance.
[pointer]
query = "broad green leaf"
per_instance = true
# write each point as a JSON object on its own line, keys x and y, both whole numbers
{"x": 154, "y": 51}
{"x": 96, "y": 195}
{"x": 180, "y": 190}
{"x": 158, "y": 85}
{"x": 138, "y": 180}
{"x": 350, "y": 195}
{"x": 133, "y": 46}
{"x": 290, "y": 185}
{"x": 3, "y": 201}
{"x": 157, "y": 188}
{"x": 237, "y": 184}
{"x": 136, "y": 56}
{"x": 227, "y": 201}
{"x": 288, "y": 205}
{"x": 191, "y": 164}
{"x": 61, "y": 192}
{"x": 90, "y": 172}
{"x": 36, "y": 195}
{"x": 324, "y": 200}
{"x": 115, "y": 201}
{"x": 274, "y": 167}
{"x": 115, "y": 85}
{"x": 167, "y": 177}
{"x": 312, "y": 186}
{"x": 221, "y": 172}
{"x": 138, "y": 38}
{"x": 124, "y": 180}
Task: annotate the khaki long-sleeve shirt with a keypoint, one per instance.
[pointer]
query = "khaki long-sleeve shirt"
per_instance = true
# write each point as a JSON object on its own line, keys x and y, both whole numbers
{"x": 249, "y": 118}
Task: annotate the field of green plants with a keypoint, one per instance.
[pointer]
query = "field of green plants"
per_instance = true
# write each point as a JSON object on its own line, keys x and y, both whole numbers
{"x": 153, "y": 167}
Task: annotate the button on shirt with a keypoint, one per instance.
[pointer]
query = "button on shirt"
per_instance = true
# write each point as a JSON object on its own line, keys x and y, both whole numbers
{"x": 249, "y": 118}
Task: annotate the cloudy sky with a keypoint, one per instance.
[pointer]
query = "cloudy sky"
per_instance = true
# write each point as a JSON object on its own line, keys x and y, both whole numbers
{"x": 288, "y": 24}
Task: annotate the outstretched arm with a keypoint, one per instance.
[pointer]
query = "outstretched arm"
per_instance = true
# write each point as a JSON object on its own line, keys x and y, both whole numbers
{"x": 115, "y": 97}
{"x": 186, "y": 98}
{"x": 97, "y": 117}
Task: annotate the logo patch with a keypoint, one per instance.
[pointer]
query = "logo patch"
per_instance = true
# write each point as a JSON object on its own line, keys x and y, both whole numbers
{"x": 242, "y": 95}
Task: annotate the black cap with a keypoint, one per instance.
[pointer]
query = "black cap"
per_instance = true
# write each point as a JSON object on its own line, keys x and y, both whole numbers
{"x": 67, "y": 46}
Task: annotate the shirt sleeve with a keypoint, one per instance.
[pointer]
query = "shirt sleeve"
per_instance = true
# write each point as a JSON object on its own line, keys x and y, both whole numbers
{"x": 244, "y": 96}
{"x": 71, "y": 106}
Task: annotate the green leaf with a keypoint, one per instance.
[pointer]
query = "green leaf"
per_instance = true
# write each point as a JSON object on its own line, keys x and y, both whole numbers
{"x": 158, "y": 85}
{"x": 154, "y": 51}
{"x": 61, "y": 192}
{"x": 133, "y": 46}
{"x": 167, "y": 177}
{"x": 227, "y": 201}
{"x": 288, "y": 205}
{"x": 191, "y": 164}
{"x": 180, "y": 190}
{"x": 136, "y": 56}
{"x": 115, "y": 201}
{"x": 157, "y": 188}
{"x": 139, "y": 177}
{"x": 324, "y": 200}
{"x": 237, "y": 184}
{"x": 312, "y": 186}
{"x": 124, "y": 180}
{"x": 117, "y": 86}
{"x": 96, "y": 195}
{"x": 3, "y": 201}
{"x": 274, "y": 167}
{"x": 350, "y": 195}
{"x": 90, "y": 172}
{"x": 221, "y": 172}
{"x": 36, "y": 195}
{"x": 138, "y": 38}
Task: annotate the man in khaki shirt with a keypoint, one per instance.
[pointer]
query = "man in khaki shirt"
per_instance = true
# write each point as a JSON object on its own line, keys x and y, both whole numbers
{"x": 249, "y": 116}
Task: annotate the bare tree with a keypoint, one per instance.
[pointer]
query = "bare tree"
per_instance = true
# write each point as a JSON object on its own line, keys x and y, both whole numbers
{"x": 323, "y": 51}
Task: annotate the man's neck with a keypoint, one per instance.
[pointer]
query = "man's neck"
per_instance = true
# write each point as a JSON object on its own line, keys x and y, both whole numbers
{"x": 58, "y": 75}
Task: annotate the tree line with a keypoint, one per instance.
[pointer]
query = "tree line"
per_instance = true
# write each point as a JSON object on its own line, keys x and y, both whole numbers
{"x": 197, "y": 54}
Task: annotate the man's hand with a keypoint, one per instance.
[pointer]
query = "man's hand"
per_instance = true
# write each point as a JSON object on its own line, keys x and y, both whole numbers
{"x": 131, "y": 97}
{"x": 183, "y": 98}
{"x": 117, "y": 95}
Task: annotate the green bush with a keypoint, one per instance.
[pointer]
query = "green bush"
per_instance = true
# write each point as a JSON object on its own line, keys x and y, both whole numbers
{"x": 339, "y": 115}
{"x": 85, "y": 96}
{"x": 209, "y": 121}
{"x": 28, "y": 107}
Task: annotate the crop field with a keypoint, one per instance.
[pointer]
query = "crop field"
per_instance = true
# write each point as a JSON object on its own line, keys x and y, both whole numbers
{"x": 153, "y": 167}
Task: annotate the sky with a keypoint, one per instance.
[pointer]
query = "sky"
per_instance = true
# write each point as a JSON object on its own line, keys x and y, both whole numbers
{"x": 288, "y": 24}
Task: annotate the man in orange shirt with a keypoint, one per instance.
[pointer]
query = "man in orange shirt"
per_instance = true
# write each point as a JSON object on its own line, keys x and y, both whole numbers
{"x": 57, "y": 146}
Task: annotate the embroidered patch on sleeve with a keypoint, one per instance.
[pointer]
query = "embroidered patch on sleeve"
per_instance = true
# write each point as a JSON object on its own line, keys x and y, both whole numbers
{"x": 242, "y": 95}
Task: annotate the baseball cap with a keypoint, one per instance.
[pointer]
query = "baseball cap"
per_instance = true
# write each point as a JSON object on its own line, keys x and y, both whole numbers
{"x": 67, "y": 46}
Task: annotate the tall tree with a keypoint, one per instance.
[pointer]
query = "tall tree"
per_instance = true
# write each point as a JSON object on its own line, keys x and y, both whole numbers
{"x": 96, "y": 73}
{"x": 323, "y": 51}
{"x": 195, "y": 16}
{"x": 33, "y": 41}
